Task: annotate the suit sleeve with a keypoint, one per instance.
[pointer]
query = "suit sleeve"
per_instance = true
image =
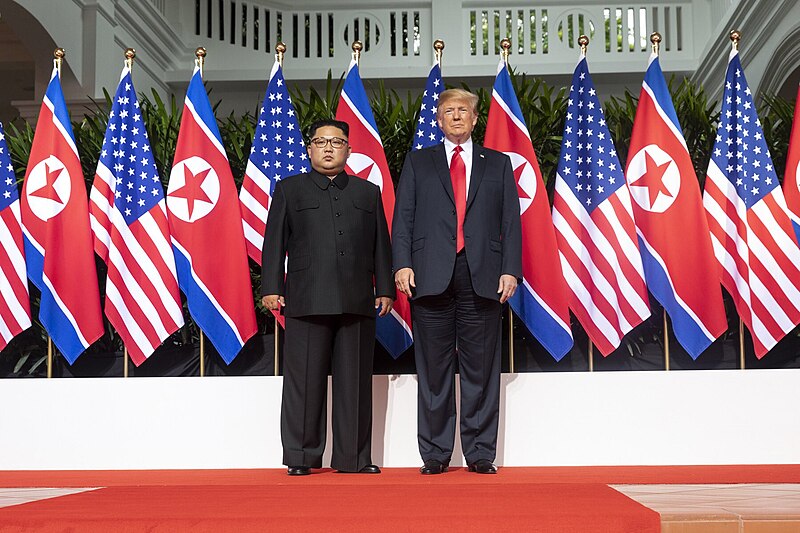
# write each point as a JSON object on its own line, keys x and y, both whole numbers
{"x": 384, "y": 281}
{"x": 403, "y": 220}
{"x": 511, "y": 227}
{"x": 273, "y": 254}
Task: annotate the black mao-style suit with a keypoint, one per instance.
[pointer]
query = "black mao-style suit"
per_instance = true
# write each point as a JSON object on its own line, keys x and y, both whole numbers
{"x": 335, "y": 240}
{"x": 455, "y": 304}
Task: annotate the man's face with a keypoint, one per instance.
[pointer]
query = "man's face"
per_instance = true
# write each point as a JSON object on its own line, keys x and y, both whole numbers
{"x": 327, "y": 160}
{"x": 456, "y": 119}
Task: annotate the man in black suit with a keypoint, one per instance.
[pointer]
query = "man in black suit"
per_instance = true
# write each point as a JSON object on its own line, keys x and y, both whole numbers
{"x": 456, "y": 244}
{"x": 332, "y": 231}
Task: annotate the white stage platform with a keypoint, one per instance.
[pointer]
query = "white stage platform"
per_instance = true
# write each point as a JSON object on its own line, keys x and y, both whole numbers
{"x": 547, "y": 419}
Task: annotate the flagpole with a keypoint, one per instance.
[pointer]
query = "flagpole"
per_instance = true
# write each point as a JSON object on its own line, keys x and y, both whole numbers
{"x": 741, "y": 344}
{"x": 357, "y": 47}
{"x": 438, "y": 47}
{"x": 666, "y": 343}
{"x": 505, "y": 50}
{"x": 280, "y": 50}
{"x": 200, "y": 53}
{"x": 58, "y": 54}
{"x": 130, "y": 53}
{"x": 583, "y": 41}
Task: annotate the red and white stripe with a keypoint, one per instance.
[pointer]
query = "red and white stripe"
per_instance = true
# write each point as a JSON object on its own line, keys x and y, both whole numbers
{"x": 142, "y": 288}
{"x": 759, "y": 257}
{"x": 601, "y": 264}
{"x": 15, "y": 315}
{"x": 254, "y": 200}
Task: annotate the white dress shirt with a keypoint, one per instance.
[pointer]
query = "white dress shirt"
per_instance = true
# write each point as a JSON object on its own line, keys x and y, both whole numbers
{"x": 466, "y": 155}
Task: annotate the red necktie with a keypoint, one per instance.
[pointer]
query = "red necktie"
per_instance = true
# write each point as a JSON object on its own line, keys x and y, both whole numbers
{"x": 458, "y": 175}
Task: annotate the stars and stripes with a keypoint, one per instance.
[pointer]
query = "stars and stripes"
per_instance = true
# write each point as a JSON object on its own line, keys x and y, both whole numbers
{"x": 53, "y": 205}
{"x": 205, "y": 225}
{"x": 278, "y": 151}
{"x": 751, "y": 231}
{"x": 131, "y": 233}
{"x": 15, "y": 314}
{"x": 368, "y": 161}
{"x": 541, "y": 299}
{"x": 679, "y": 265}
{"x": 428, "y": 132}
{"x": 593, "y": 218}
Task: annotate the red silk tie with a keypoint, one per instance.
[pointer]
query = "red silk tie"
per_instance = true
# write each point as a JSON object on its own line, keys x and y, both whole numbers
{"x": 458, "y": 175}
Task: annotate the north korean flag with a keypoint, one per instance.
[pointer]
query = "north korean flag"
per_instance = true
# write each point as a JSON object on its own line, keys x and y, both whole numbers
{"x": 791, "y": 180}
{"x": 541, "y": 301}
{"x": 58, "y": 239}
{"x": 368, "y": 160}
{"x": 206, "y": 228}
{"x": 679, "y": 265}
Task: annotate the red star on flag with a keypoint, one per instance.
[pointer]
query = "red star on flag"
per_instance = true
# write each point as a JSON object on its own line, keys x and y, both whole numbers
{"x": 49, "y": 190}
{"x": 653, "y": 179}
{"x": 365, "y": 172}
{"x": 517, "y": 175}
{"x": 192, "y": 189}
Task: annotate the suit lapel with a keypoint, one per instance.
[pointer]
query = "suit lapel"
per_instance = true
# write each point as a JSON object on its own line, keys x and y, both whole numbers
{"x": 478, "y": 169}
{"x": 440, "y": 162}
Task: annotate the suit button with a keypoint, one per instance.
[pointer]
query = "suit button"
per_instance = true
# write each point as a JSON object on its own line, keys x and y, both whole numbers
{"x": 341, "y": 253}
{"x": 335, "y": 197}
{"x": 338, "y": 214}
{"x": 340, "y": 232}
{"x": 454, "y": 212}
{"x": 452, "y": 237}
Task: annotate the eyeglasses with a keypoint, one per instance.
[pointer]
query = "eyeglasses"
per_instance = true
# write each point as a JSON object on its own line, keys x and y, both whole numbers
{"x": 322, "y": 142}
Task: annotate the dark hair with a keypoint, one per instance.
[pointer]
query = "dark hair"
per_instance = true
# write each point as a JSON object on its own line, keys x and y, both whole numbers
{"x": 344, "y": 126}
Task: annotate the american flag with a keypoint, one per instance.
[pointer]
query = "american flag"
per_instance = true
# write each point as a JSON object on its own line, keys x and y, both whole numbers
{"x": 593, "y": 217}
{"x": 791, "y": 180}
{"x": 428, "y": 132}
{"x": 15, "y": 314}
{"x": 748, "y": 218}
{"x": 129, "y": 224}
{"x": 278, "y": 151}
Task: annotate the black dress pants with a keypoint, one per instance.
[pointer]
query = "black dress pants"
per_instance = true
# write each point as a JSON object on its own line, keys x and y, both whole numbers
{"x": 314, "y": 346}
{"x": 457, "y": 325}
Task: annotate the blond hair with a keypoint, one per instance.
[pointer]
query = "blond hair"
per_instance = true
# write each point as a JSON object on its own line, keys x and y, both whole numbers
{"x": 457, "y": 94}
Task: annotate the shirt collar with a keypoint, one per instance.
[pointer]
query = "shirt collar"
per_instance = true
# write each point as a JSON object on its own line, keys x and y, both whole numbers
{"x": 323, "y": 182}
{"x": 450, "y": 145}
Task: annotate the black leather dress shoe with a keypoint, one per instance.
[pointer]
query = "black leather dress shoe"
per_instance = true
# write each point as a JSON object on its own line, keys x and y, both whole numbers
{"x": 432, "y": 466}
{"x": 298, "y": 471}
{"x": 483, "y": 466}
{"x": 369, "y": 469}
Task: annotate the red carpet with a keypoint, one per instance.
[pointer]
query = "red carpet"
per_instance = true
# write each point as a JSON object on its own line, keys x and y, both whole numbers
{"x": 518, "y": 499}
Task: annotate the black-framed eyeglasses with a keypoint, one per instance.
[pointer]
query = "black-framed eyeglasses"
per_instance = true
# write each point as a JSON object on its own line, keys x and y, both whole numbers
{"x": 322, "y": 142}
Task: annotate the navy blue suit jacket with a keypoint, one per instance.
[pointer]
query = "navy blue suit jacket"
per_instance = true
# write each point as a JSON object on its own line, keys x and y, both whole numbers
{"x": 424, "y": 223}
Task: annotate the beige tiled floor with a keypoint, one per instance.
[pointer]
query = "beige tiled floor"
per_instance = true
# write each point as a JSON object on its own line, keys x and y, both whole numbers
{"x": 18, "y": 496}
{"x": 745, "y": 508}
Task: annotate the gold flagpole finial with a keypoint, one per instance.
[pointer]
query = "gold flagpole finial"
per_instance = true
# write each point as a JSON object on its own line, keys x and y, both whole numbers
{"x": 59, "y": 54}
{"x": 357, "y": 47}
{"x": 438, "y": 47}
{"x": 130, "y": 54}
{"x": 655, "y": 38}
{"x": 280, "y": 50}
{"x": 583, "y": 41}
{"x": 736, "y": 36}
{"x": 200, "y": 53}
{"x": 505, "y": 45}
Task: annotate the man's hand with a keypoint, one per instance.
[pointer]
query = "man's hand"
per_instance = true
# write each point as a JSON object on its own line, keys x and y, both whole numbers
{"x": 404, "y": 279}
{"x": 273, "y": 302}
{"x": 385, "y": 305}
{"x": 507, "y": 287}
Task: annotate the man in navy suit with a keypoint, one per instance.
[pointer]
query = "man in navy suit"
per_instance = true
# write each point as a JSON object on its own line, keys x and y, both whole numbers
{"x": 456, "y": 250}
{"x": 331, "y": 229}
